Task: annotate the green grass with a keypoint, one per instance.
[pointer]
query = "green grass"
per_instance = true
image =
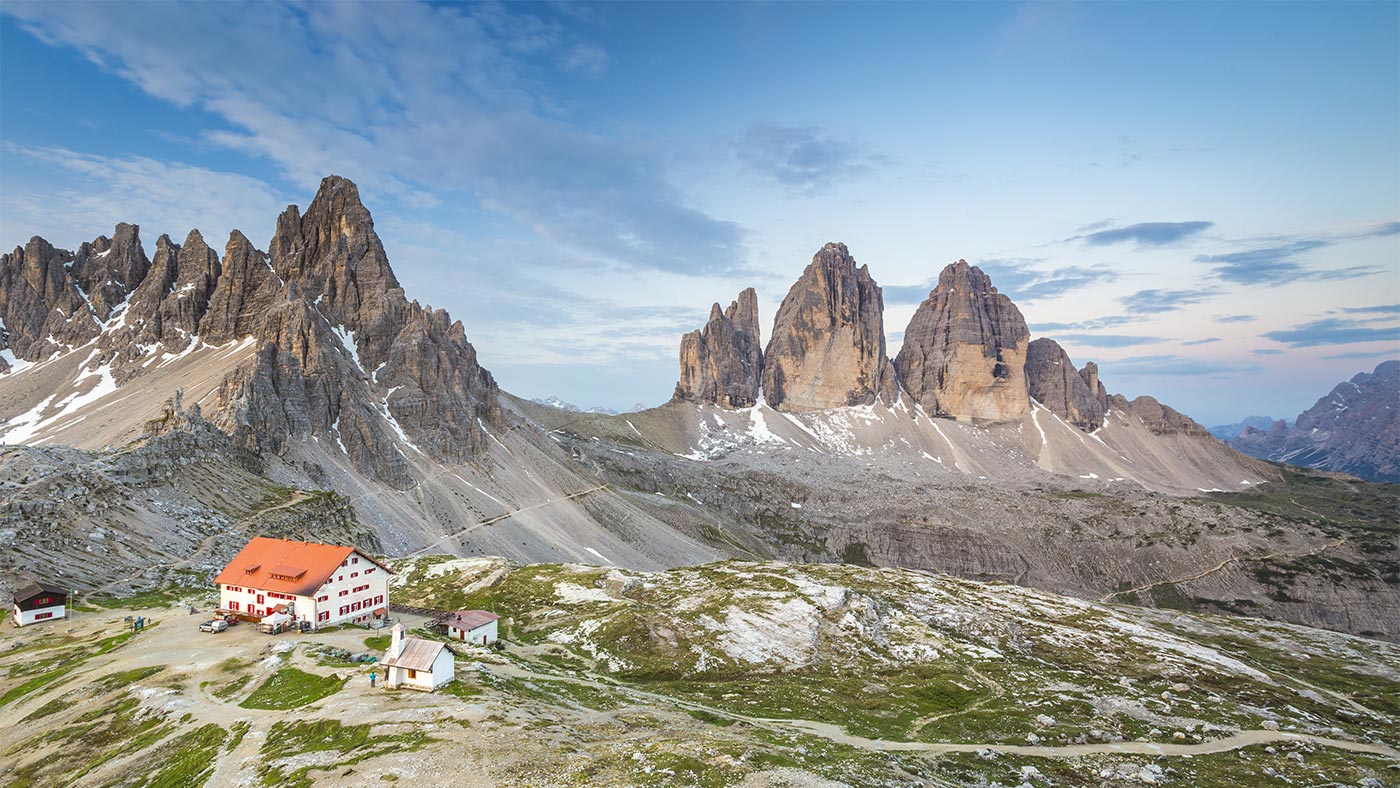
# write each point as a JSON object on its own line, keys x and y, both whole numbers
{"x": 290, "y": 688}
{"x": 288, "y": 739}
{"x": 378, "y": 642}
{"x": 158, "y": 597}
{"x": 228, "y": 690}
{"x": 57, "y": 669}
{"x": 188, "y": 762}
{"x": 92, "y": 739}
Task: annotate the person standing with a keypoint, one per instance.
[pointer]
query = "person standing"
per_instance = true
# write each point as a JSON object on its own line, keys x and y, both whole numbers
{"x": 371, "y": 679}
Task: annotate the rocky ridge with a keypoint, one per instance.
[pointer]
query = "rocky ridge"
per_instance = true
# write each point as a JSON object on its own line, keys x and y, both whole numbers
{"x": 341, "y": 353}
{"x": 1054, "y": 382}
{"x": 966, "y": 355}
{"x": 1354, "y": 429}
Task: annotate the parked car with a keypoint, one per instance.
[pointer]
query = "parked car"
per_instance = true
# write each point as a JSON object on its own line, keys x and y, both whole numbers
{"x": 217, "y": 625}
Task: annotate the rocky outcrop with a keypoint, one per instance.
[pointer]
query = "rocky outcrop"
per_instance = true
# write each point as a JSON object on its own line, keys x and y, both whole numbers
{"x": 333, "y": 253}
{"x": 722, "y": 363}
{"x": 302, "y": 384}
{"x": 1054, "y": 382}
{"x": 246, "y": 290}
{"x": 41, "y": 308}
{"x": 137, "y": 330}
{"x": 1355, "y": 429}
{"x": 1090, "y": 374}
{"x": 110, "y": 269}
{"x": 964, "y": 352}
{"x": 828, "y": 345}
{"x": 1160, "y": 419}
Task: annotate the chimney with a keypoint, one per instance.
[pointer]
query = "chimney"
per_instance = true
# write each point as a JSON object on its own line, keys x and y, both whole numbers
{"x": 395, "y": 641}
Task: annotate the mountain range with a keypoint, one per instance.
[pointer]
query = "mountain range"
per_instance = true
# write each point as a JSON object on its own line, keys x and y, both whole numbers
{"x": 1354, "y": 429}
{"x": 157, "y": 409}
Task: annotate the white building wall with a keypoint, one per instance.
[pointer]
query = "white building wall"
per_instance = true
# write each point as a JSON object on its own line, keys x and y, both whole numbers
{"x": 346, "y": 578}
{"x": 444, "y": 670}
{"x": 27, "y": 617}
{"x": 474, "y": 635}
{"x": 326, "y": 599}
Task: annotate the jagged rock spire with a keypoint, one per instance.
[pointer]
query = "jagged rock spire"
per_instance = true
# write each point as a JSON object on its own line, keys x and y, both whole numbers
{"x": 722, "y": 363}
{"x": 828, "y": 345}
{"x": 1074, "y": 395}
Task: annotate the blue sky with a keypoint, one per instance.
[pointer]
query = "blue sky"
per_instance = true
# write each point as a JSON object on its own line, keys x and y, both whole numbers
{"x": 1202, "y": 198}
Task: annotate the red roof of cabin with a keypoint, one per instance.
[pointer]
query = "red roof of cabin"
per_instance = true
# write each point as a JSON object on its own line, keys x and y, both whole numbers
{"x": 471, "y": 619}
{"x": 285, "y": 566}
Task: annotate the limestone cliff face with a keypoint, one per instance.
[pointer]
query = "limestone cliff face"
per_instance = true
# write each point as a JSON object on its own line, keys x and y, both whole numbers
{"x": 722, "y": 363}
{"x": 197, "y": 269}
{"x": 828, "y": 345}
{"x": 1053, "y": 382}
{"x": 423, "y": 371}
{"x": 964, "y": 352}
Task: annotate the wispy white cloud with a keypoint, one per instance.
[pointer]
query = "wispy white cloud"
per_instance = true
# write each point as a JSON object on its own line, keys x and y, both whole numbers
{"x": 93, "y": 193}
{"x": 419, "y": 103}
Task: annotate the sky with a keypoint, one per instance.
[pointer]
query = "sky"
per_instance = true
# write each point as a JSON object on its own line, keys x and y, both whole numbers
{"x": 1203, "y": 198}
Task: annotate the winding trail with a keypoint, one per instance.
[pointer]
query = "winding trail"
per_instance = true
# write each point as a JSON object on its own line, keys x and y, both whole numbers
{"x": 1234, "y": 559}
{"x": 500, "y": 517}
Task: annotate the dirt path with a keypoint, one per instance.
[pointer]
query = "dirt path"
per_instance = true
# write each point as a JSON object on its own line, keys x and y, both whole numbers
{"x": 297, "y": 497}
{"x": 1222, "y": 565}
{"x": 490, "y": 520}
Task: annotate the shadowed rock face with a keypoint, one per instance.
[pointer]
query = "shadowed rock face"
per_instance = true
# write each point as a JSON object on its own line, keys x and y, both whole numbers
{"x": 964, "y": 352}
{"x": 246, "y": 290}
{"x": 109, "y": 269}
{"x": 196, "y": 272}
{"x": 1053, "y": 382}
{"x": 828, "y": 345}
{"x": 360, "y": 359}
{"x": 723, "y": 363}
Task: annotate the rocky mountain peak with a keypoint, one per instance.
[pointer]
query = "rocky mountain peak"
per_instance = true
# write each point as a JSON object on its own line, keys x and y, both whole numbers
{"x": 1354, "y": 428}
{"x": 964, "y": 352}
{"x": 828, "y": 345}
{"x": 332, "y": 250}
{"x": 109, "y": 269}
{"x": 197, "y": 270}
{"x": 722, "y": 363}
{"x": 40, "y": 304}
{"x": 1053, "y": 382}
{"x": 341, "y": 355}
{"x": 246, "y": 289}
